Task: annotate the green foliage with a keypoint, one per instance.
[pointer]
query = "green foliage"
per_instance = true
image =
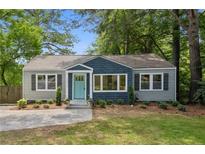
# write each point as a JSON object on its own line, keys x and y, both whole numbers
{"x": 200, "y": 93}
{"x": 21, "y": 103}
{"x": 98, "y": 101}
{"x": 46, "y": 106}
{"x": 163, "y": 105}
{"x": 131, "y": 97}
{"x": 175, "y": 103}
{"x": 27, "y": 33}
{"x": 102, "y": 103}
{"x": 58, "y": 97}
{"x": 50, "y": 101}
{"x": 120, "y": 101}
{"x": 66, "y": 101}
{"x": 109, "y": 102}
{"x": 181, "y": 108}
{"x": 146, "y": 103}
{"x": 39, "y": 102}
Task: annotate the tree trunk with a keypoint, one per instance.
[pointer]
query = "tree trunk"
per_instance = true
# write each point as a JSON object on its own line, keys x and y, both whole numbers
{"x": 195, "y": 61}
{"x": 176, "y": 50}
{"x": 3, "y": 75}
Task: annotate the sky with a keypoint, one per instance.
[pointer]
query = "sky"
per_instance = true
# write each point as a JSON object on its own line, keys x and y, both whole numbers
{"x": 85, "y": 38}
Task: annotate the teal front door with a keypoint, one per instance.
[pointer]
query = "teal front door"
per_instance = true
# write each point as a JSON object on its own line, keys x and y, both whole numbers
{"x": 79, "y": 86}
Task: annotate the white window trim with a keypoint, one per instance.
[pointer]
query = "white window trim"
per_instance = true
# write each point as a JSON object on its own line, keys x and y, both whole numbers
{"x": 46, "y": 80}
{"x": 151, "y": 82}
{"x": 101, "y": 83}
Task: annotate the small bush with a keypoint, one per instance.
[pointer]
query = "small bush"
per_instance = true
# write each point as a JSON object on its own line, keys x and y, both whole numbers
{"x": 50, "y": 101}
{"x": 109, "y": 102}
{"x": 39, "y": 102}
{"x": 36, "y": 106}
{"x": 175, "y": 103}
{"x": 21, "y": 103}
{"x": 46, "y": 106}
{"x": 163, "y": 105}
{"x": 146, "y": 103}
{"x": 66, "y": 101}
{"x": 181, "y": 108}
{"x": 44, "y": 101}
{"x": 58, "y": 97}
{"x": 131, "y": 97}
{"x": 97, "y": 102}
{"x": 120, "y": 101}
{"x": 102, "y": 103}
{"x": 143, "y": 106}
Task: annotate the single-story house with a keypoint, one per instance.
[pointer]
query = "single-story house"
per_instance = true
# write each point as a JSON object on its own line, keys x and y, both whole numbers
{"x": 99, "y": 77}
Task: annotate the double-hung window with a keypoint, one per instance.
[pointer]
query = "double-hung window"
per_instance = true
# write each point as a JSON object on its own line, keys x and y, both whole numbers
{"x": 46, "y": 82}
{"x": 110, "y": 83}
{"x": 151, "y": 81}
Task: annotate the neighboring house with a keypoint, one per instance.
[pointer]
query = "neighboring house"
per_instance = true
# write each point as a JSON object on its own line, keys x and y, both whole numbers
{"x": 100, "y": 77}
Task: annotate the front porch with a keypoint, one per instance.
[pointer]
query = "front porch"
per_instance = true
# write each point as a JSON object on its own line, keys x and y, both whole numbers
{"x": 79, "y": 84}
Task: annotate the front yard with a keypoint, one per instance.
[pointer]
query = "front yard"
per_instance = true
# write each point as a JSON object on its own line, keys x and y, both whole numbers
{"x": 118, "y": 125}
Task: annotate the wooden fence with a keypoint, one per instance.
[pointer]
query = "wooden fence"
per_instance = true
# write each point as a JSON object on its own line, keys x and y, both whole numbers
{"x": 10, "y": 94}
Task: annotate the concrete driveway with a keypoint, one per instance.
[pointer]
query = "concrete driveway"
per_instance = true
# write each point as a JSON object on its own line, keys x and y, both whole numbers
{"x": 21, "y": 119}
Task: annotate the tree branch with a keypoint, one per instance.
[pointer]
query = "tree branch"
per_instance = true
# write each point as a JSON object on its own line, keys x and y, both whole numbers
{"x": 179, "y": 20}
{"x": 162, "y": 53}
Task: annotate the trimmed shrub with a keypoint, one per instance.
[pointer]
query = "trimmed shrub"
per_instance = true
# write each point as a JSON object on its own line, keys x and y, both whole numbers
{"x": 36, "y": 106}
{"x": 131, "y": 97}
{"x": 175, "y": 103}
{"x": 58, "y": 97}
{"x": 21, "y": 103}
{"x": 146, "y": 103}
{"x": 143, "y": 106}
{"x": 181, "y": 107}
{"x": 163, "y": 105}
{"x": 46, "y": 106}
{"x": 66, "y": 101}
{"x": 39, "y": 102}
{"x": 102, "y": 103}
{"x": 109, "y": 102}
{"x": 120, "y": 101}
{"x": 50, "y": 101}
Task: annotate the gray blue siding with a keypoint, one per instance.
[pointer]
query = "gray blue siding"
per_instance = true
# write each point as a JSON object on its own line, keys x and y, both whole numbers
{"x": 165, "y": 95}
{"x": 103, "y": 66}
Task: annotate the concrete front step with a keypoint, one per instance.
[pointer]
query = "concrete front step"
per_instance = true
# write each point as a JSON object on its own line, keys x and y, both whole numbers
{"x": 79, "y": 106}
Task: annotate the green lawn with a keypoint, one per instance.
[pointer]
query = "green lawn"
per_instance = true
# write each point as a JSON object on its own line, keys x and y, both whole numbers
{"x": 148, "y": 129}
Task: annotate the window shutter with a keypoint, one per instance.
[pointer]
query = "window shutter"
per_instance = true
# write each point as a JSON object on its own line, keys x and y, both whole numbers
{"x": 137, "y": 82}
{"x": 33, "y": 82}
{"x": 59, "y": 80}
{"x": 166, "y": 81}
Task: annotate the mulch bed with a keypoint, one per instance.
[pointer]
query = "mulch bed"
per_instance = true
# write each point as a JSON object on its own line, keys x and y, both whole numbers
{"x": 30, "y": 107}
{"x": 127, "y": 110}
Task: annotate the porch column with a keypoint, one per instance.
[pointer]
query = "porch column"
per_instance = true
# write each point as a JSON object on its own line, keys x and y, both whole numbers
{"x": 66, "y": 84}
{"x": 91, "y": 85}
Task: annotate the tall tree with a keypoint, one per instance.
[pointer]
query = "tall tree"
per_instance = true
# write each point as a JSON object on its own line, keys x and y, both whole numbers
{"x": 191, "y": 25}
{"x": 27, "y": 33}
{"x": 195, "y": 61}
{"x": 57, "y": 37}
{"x": 176, "y": 49}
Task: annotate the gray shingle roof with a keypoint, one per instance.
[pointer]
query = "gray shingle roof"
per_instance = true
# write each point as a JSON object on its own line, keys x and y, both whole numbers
{"x": 49, "y": 62}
